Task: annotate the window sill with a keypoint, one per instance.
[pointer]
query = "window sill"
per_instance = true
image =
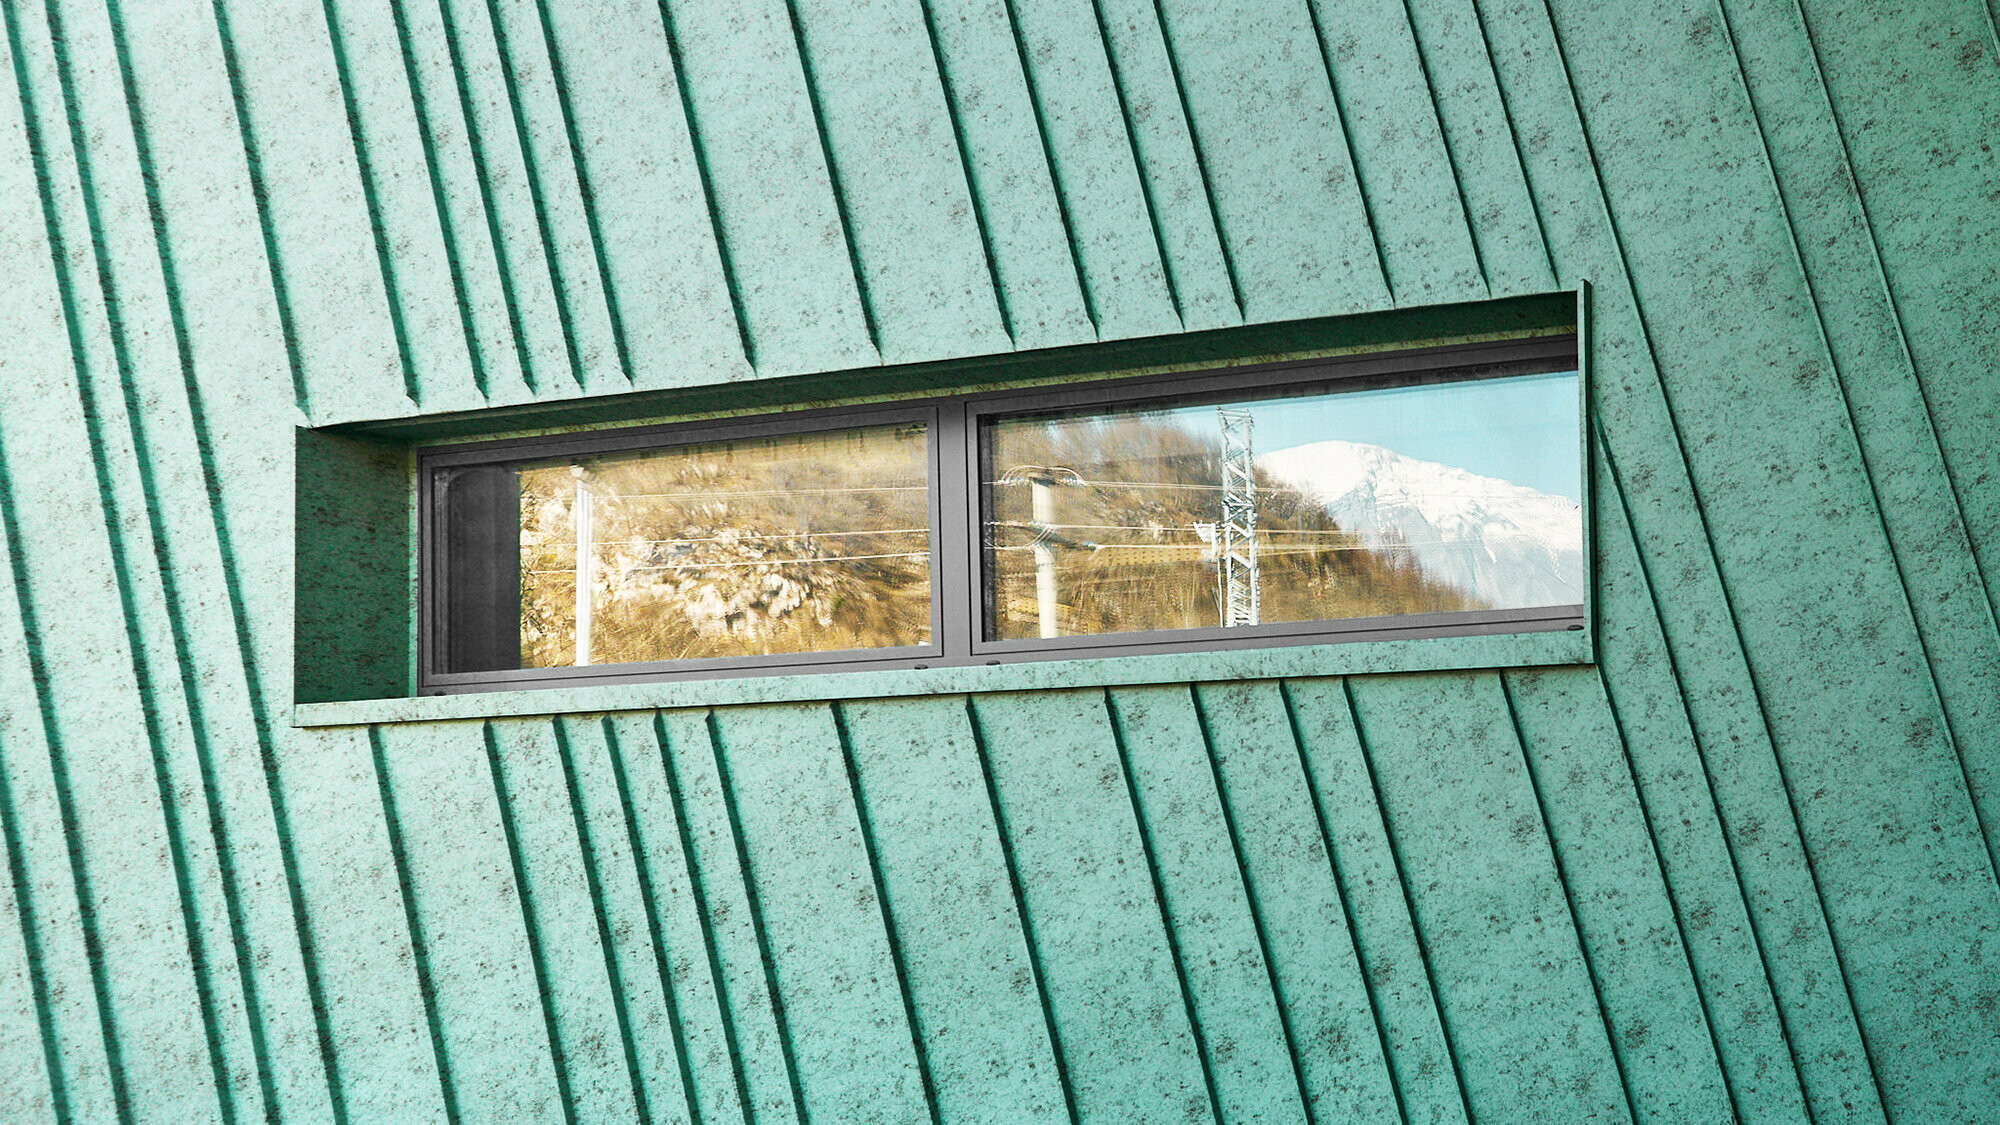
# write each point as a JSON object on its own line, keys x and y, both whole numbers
{"x": 1497, "y": 650}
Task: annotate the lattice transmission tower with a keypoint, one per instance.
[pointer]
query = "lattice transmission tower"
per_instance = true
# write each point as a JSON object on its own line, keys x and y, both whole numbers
{"x": 1238, "y": 532}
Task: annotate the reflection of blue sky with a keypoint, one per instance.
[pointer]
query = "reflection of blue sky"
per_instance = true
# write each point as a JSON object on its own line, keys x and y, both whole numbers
{"x": 1523, "y": 428}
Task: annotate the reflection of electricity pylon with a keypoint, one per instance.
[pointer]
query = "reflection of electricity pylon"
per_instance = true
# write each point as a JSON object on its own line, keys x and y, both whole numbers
{"x": 1238, "y": 532}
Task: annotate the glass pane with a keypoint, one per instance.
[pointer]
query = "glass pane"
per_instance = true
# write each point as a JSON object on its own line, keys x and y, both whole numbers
{"x": 1426, "y": 498}
{"x": 816, "y": 542}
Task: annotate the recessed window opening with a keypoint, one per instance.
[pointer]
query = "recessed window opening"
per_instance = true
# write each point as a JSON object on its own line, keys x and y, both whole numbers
{"x": 1425, "y": 494}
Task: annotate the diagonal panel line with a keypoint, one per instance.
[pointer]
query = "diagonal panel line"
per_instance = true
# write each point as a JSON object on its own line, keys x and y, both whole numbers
{"x": 231, "y": 580}
{"x": 384, "y": 259}
{"x": 1256, "y": 912}
{"x": 253, "y": 159}
{"x": 1409, "y": 901}
{"x": 707, "y": 185}
{"x": 612, "y": 309}
{"x": 1055, "y": 171}
{"x": 190, "y": 679}
{"x": 1708, "y": 540}
{"x": 1547, "y": 836}
{"x": 1004, "y": 832}
{"x": 199, "y": 955}
{"x": 703, "y": 915}
{"x": 884, "y": 907}
{"x": 419, "y": 948}
{"x": 1347, "y": 138}
{"x": 503, "y": 267}
{"x": 524, "y": 895}
{"x": 833, "y": 177}
{"x": 1514, "y": 142}
{"x": 1444, "y": 142}
{"x": 1721, "y": 818}
{"x": 1853, "y": 425}
{"x": 1340, "y": 889}
{"x": 1889, "y": 289}
{"x": 587, "y": 846}
{"x": 1200, "y": 160}
{"x": 1201, "y": 1048}
{"x": 718, "y": 753}
{"x": 967, "y": 167}
{"x": 31, "y": 943}
{"x": 1667, "y": 884}
{"x": 662, "y": 960}
{"x": 524, "y": 139}
{"x": 1139, "y": 162}
{"x": 65, "y": 802}
{"x": 428, "y": 136}
{"x": 58, "y": 756}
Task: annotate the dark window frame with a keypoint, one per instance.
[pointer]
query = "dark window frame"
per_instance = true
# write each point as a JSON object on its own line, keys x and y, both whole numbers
{"x": 958, "y": 626}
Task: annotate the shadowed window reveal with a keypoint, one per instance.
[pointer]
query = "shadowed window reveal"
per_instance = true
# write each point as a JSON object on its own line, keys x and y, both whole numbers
{"x": 1437, "y": 493}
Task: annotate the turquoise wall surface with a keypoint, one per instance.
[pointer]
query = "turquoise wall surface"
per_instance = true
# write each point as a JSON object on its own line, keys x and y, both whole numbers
{"x": 1742, "y": 865}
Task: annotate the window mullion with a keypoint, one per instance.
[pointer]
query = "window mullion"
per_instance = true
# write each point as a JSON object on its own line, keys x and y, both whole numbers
{"x": 954, "y": 503}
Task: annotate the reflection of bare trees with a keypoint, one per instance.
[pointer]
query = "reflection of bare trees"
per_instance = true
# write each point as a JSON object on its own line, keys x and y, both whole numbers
{"x": 797, "y": 544}
{"x": 1129, "y": 556}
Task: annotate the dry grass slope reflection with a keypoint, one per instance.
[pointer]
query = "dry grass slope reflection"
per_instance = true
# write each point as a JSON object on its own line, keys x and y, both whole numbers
{"x": 803, "y": 543}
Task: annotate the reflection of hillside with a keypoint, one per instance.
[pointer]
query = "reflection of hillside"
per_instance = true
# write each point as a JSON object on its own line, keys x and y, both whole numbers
{"x": 796, "y": 544}
{"x": 1128, "y": 553}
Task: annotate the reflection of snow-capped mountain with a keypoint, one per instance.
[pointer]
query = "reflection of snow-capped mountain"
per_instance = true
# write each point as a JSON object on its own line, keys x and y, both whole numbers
{"x": 1509, "y": 546}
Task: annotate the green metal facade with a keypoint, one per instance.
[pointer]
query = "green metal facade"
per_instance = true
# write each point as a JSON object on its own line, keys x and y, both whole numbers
{"x": 1743, "y": 864}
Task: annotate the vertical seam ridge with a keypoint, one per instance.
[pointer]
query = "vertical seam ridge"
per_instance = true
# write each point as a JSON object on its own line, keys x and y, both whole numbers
{"x": 1340, "y": 891}
{"x": 648, "y": 895}
{"x": 377, "y": 229}
{"x": 1569, "y": 898}
{"x": 412, "y": 918}
{"x": 697, "y": 886}
{"x": 1708, "y": 541}
{"x": 503, "y": 798}
{"x": 883, "y": 906}
{"x": 719, "y": 755}
{"x": 1140, "y": 820}
{"x": 1409, "y": 902}
{"x": 1034, "y": 88}
{"x": 1000, "y": 828}
{"x": 724, "y": 259}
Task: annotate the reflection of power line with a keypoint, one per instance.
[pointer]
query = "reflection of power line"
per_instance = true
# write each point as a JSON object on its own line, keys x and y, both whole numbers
{"x": 1395, "y": 493}
{"x": 731, "y": 494}
{"x": 761, "y": 537}
{"x": 1349, "y": 545}
{"x": 1088, "y": 483}
{"x": 1163, "y": 529}
{"x": 752, "y": 562}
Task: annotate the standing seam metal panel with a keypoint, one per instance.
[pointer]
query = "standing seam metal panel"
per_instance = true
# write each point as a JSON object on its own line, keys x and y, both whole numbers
{"x": 1745, "y": 865}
